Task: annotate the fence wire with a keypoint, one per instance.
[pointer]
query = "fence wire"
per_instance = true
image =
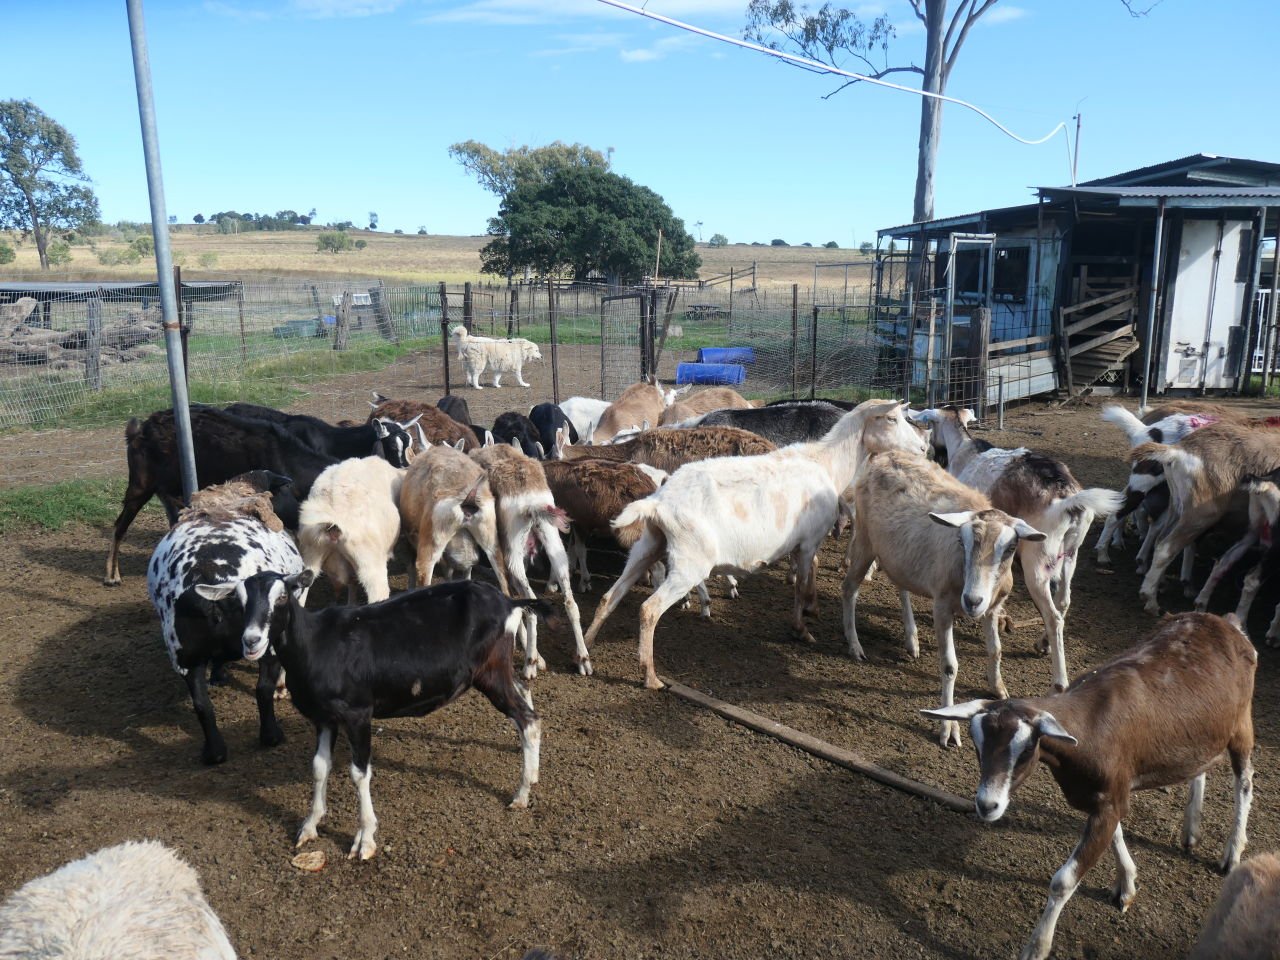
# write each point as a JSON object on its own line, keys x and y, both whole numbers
{"x": 89, "y": 358}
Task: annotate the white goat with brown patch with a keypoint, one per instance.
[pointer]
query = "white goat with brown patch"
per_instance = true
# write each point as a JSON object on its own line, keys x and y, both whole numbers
{"x": 527, "y": 518}
{"x": 1041, "y": 491}
{"x": 935, "y": 537}
{"x": 1204, "y": 471}
{"x": 1245, "y": 922}
{"x": 738, "y": 514}
{"x": 446, "y": 512}
{"x": 1157, "y": 715}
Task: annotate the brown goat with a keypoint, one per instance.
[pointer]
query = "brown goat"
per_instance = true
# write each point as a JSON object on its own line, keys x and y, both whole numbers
{"x": 436, "y": 425}
{"x": 670, "y": 449}
{"x": 1245, "y": 922}
{"x": 1159, "y": 714}
{"x": 593, "y": 493}
{"x": 637, "y": 405}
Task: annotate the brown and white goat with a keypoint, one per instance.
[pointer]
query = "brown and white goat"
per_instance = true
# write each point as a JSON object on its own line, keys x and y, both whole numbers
{"x": 446, "y": 510}
{"x": 435, "y": 425}
{"x": 738, "y": 514}
{"x": 1203, "y": 471}
{"x": 935, "y": 537}
{"x": 1041, "y": 491}
{"x": 1157, "y": 715}
{"x": 593, "y": 493}
{"x": 527, "y": 518}
{"x": 1264, "y": 515}
{"x": 669, "y": 450}
{"x": 1245, "y": 922}
{"x": 639, "y": 403}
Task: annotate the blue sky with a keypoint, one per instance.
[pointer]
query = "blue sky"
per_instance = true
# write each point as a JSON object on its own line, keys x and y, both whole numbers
{"x": 349, "y": 106}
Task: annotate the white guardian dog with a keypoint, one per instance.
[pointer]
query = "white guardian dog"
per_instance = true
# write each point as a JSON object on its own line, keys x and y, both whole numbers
{"x": 479, "y": 354}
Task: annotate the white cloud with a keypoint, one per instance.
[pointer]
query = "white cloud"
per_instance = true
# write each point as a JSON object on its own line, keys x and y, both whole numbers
{"x": 329, "y": 9}
{"x": 1000, "y": 14}
{"x": 221, "y": 9}
{"x": 528, "y": 12}
{"x": 639, "y": 56}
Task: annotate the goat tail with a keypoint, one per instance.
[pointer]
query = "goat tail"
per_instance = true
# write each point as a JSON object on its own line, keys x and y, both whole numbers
{"x": 1133, "y": 427}
{"x": 1099, "y": 501}
{"x": 639, "y": 512}
{"x": 1165, "y": 453}
{"x": 556, "y": 517}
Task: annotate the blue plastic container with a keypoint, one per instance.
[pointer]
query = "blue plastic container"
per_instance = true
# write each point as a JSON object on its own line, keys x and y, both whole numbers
{"x": 727, "y": 355}
{"x": 721, "y": 373}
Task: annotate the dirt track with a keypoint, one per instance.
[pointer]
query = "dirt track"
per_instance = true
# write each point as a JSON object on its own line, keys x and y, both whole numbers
{"x": 657, "y": 829}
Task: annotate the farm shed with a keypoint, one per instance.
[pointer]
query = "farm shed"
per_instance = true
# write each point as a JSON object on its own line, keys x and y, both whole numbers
{"x": 1163, "y": 276}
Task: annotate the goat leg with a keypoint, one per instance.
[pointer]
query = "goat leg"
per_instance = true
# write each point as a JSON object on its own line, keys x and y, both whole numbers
{"x": 320, "y": 766}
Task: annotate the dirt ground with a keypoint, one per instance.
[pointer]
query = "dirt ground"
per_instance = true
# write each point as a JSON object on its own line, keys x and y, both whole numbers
{"x": 658, "y": 829}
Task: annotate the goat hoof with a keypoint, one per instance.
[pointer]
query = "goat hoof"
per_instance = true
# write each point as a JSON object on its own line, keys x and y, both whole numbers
{"x": 585, "y": 668}
{"x": 212, "y": 756}
{"x": 733, "y": 593}
{"x": 1188, "y": 590}
{"x": 271, "y": 736}
{"x": 1121, "y": 900}
{"x": 859, "y": 656}
{"x": 1140, "y": 568}
{"x": 530, "y": 672}
{"x": 111, "y": 581}
{"x": 1152, "y": 607}
{"x": 520, "y": 801}
{"x": 305, "y": 836}
{"x": 1201, "y": 607}
{"x": 362, "y": 850}
{"x": 653, "y": 683}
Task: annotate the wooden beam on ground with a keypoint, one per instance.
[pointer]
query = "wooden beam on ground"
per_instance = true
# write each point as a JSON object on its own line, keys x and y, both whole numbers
{"x": 818, "y": 748}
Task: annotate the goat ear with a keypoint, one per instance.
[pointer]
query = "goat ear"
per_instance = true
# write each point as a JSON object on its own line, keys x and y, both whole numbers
{"x": 644, "y": 425}
{"x": 1025, "y": 531}
{"x": 923, "y": 416}
{"x": 967, "y": 416}
{"x": 460, "y": 445}
{"x": 422, "y": 436}
{"x": 215, "y": 591}
{"x": 277, "y": 481}
{"x": 380, "y": 428}
{"x": 959, "y": 711}
{"x": 300, "y": 581}
{"x": 515, "y": 443}
{"x": 406, "y": 426}
{"x": 1047, "y": 725}
{"x": 953, "y": 519}
{"x": 542, "y": 453}
{"x": 377, "y": 398}
{"x": 488, "y": 438}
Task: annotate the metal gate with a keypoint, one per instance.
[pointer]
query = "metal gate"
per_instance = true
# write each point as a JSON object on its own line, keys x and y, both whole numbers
{"x": 622, "y": 319}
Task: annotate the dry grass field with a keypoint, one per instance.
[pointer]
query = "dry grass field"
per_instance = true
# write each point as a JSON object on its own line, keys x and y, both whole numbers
{"x": 204, "y": 253}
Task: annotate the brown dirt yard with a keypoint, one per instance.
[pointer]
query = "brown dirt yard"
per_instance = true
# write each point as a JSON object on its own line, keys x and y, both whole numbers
{"x": 658, "y": 830}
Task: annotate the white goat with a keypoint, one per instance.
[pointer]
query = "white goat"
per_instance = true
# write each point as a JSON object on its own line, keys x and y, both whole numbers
{"x": 1042, "y": 492}
{"x": 349, "y": 525}
{"x": 935, "y": 537}
{"x": 137, "y": 900}
{"x": 738, "y": 514}
{"x": 1159, "y": 714}
{"x": 584, "y": 413}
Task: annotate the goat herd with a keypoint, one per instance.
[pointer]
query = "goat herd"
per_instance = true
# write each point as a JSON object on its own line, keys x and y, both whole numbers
{"x": 695, "y": 485}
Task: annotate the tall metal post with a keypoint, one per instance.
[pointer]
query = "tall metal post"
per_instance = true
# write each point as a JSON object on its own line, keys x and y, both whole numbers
{"x": 1152, "y": 294}
{"x": 164, "y": 255}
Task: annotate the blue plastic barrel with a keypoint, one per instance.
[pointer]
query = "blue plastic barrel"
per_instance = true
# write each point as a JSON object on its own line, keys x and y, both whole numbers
{"x": 727, "y": 355}
{"x": 727, "y": 373}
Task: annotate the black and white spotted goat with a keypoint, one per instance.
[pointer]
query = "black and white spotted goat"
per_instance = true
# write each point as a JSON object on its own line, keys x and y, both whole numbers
{"x": 403, "y": 657}
{"x": 228, "y": 533}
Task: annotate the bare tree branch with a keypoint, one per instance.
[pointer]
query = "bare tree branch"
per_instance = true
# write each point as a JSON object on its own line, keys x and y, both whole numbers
{"x": 874, "y": 76}
{"x": 1133, "y": 12}
{"x": 915, "y": 5}
{"x": 969, "y": 21}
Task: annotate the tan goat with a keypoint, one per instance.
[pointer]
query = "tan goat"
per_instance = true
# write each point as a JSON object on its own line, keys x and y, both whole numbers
{"x": 640, "y": 403}
{"x": 1245, "y": 922}
{"x": 1203, "y": 471}
{"x": 447, "y": 509}
{"x": 704, "y": 401}
{"x": 935, "y": 537}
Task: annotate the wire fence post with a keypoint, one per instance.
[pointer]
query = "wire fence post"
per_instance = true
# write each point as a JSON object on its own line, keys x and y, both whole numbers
{"x": 552, "y": 310}
{"x": 93, "y": 344}
{"x": 444, "y": 333}
{"x": 813, "y": 353}
{"x": 511, "y": 312}
{"x": 1000, "y": 401}
{"x": 468, "y": 308}
{"x": 795, "y": 335}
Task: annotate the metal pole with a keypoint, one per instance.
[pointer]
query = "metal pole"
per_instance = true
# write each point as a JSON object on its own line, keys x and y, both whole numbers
{"x": 1152, "y": 293}
{"x": 1000, "y": 400}
{"x": 164, "y": 255}
{"x": 1269, "y": 330}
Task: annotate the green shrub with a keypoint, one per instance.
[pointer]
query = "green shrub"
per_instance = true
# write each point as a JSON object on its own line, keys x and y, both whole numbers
{"x": 145, "y": 246}
{"x": 59, "y": 253}
{"x": 333, "y": 241}
{"x": 115, "y": 256}
{"x": 718, "y": 240}
{"x": 361, "y": 244}
{"x": 208, "y": 259}
{"x": 7, "y": 253}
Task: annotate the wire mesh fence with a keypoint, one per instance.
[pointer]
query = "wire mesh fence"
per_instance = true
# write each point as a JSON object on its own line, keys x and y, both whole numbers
{"x": 86, "y": 356}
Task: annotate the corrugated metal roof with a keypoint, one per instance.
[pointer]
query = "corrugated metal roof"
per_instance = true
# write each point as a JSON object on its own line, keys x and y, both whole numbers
{"x": 1188, "y": 167}
{"x": 1210, "y": 193}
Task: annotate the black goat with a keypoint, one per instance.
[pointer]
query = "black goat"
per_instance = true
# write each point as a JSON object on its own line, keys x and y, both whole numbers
{"x": 456, "y": 407}
{"x": 225, "y": 446}
{"x": 549, "y": 418}
{"x": 403, "y": 657}
{"x": 516, "y": 426}
{"x": 781, "y": 424}
{"x": 384, "y": 438}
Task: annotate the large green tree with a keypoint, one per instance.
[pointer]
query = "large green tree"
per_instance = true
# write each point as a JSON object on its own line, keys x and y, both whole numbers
{"x": 585, "y": 220}
{"x": 42, "y": 184}
{"x": 500, "y": 171}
